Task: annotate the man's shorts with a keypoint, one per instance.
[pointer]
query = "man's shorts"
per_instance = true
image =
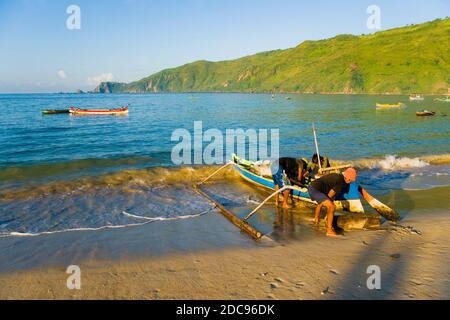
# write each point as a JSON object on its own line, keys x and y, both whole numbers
{"x": 316, "y": 195}
{"x": 278, "y": 175}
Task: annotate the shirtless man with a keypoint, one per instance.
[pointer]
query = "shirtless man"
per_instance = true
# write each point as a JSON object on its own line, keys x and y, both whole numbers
{"x": 324, "y": 190}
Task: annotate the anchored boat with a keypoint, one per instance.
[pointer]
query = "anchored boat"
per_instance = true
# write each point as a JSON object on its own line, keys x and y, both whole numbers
{"x": 77, "y": 111}
{"x": 416, "y": 97}
{"x": 387, "y": 105}
{"x": 425, "y": 113}
{"x": 348, "y": 200}
{"x": 446, "y": 99}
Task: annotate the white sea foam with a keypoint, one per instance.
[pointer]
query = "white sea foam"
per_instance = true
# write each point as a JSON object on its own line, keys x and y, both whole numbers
{"x": 166, "y": 218}
{"x": 27, "y": 234}
{"x": 148, "y": 220}
{"x": 395, "y": 163}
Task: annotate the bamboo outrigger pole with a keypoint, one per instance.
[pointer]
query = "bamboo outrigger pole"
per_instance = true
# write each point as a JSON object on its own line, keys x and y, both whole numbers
{"x": 248, "y": 216}
{"x": 241, "y": 224}
{"x": 238, "y": 222}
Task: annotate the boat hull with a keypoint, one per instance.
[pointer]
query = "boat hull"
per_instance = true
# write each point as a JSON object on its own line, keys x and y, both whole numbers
{"x": 55, "y": 111}
{"x": 349, "y": 201}
{"x": 75, "y": 111}
{"x": 425, "y": 113}
{"x": 387, "y": 106}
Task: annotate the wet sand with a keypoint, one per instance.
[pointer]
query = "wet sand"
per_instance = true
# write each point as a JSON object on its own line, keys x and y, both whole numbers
{"x": 412, "y": 266}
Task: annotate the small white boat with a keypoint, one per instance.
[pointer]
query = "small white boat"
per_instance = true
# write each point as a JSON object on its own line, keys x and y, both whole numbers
{"x": 446, "y": 99}
{"x": 416, "y": 97}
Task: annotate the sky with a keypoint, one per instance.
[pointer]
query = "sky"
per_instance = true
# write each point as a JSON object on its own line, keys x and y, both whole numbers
{"x": 126, "y": 40}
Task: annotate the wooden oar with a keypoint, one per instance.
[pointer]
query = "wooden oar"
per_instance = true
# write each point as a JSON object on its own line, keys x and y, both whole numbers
{"x": 381, "y": 208}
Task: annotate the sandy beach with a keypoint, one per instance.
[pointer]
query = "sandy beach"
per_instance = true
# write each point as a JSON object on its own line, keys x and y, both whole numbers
{"x": 413, "y": 266}
{"x": 207, "y": 257}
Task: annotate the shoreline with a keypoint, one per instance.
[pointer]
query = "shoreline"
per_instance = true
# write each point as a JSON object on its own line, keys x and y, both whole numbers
{"x": 229, "y": 92}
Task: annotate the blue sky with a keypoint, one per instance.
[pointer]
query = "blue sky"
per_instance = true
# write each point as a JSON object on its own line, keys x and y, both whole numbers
{"x": 125, "y": 40}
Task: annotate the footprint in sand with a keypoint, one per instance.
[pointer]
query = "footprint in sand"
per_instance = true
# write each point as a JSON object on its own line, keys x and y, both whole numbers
{"x": 155, "y": 294}
{"x": 326, "y": 291}
{"x": 416, "y": 282}
{"x": 395, "y": 256}
{"x": 335, "y": 272}
{"x": 279, "y": 280}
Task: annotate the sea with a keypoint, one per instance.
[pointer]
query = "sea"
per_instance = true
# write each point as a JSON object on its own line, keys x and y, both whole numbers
{"x": 108, "y": 186}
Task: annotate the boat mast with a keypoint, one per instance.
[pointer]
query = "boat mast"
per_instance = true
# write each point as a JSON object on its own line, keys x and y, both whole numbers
{"x": 317, "y": 146}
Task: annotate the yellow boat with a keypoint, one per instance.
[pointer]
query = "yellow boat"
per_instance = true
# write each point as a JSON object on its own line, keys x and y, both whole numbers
{"x": 386, "y": 105}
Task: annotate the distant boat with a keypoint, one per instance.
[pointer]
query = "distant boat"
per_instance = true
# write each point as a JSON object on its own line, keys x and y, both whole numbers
{"x": 446, "y": 99}
{"x": 425, "y": 113}
{"x": 416, "y": 97}
{"x": 55, "y": 111}
{"x": 77, "y": 111}
{"x": 386, "y": 105}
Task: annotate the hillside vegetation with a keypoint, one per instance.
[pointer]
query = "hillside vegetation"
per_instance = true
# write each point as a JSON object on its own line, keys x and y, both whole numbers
{"x": 403, "y": 60}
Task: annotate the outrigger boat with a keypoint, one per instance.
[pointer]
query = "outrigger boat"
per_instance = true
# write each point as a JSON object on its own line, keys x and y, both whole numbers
{"x": 259, "y": 173}
{"x": 348, "y": 201}
{"x": 77, "y": 111}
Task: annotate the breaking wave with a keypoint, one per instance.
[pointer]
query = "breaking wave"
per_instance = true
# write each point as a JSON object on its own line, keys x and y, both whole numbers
{"x": 393, "y": 162}
{"x": 127, "y": 181}
{"x": 134, "y": 181}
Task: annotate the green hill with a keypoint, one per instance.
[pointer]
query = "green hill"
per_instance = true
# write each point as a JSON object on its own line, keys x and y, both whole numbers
{"x": 410, "y": 59}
